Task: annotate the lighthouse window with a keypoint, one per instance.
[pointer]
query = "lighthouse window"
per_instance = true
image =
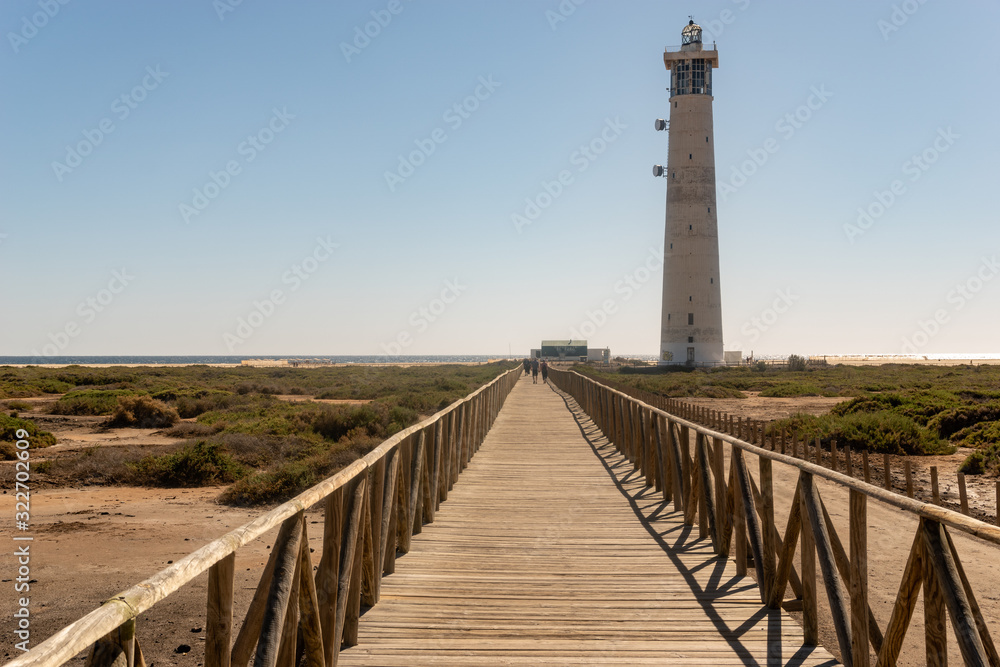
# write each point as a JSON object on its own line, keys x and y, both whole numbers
{"x": 690, "y": 227}
{"x": 690, "y": 318}
{"x": 690, "y": 157}
{"x": 706, "y": 140}
{"x": 709, "y": 209}
{"x": 671, "y": 246}
{"x": 690, "y": 298}
{"x": 690, "y": 339}
{"x": 711, "y": 281}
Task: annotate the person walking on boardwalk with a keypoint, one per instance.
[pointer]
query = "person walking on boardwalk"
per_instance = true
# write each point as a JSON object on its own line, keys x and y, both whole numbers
{"x": 534, "y": 371}
{"x": 527, "y": 365}
{"x": 545, "y": 371}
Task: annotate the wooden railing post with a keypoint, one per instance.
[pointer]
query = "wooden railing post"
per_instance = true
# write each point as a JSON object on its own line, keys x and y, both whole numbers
{"x": 859, "y": 577}
{"x": 219, "y": 626}
{"x": 807, "y": 554}
{"x": 835, "y": 593}
{"x": 282, "y": 585}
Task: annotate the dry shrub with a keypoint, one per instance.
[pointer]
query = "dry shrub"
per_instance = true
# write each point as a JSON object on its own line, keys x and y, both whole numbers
{"x": 142, "y": 412}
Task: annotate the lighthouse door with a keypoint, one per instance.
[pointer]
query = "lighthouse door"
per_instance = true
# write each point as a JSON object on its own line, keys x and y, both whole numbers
{"x": 690, "y": 355}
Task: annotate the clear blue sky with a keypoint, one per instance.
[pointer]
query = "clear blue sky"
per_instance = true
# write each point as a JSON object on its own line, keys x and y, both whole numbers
{"x": 309, "y": 114}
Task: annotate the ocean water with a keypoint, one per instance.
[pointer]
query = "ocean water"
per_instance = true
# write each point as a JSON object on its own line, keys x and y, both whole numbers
{"x": 236, "y": 359}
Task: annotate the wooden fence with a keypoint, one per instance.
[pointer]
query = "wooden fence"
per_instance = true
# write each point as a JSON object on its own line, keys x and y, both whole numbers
{"x": 737, "y": 514}
{"x": 372, "y": 508}
{"x": 761, "y": 433}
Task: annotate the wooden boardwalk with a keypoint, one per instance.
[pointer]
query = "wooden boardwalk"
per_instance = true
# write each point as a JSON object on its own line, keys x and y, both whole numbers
{"x": 549, "y": 550}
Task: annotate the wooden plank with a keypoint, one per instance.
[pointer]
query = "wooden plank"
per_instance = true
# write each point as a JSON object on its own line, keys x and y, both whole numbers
{"x": 219, "y": 625}
{"x": 739, "y": 519}
{"x": 807, "y": 554}
{"x": 568, "y": 558}
{"x": 287, "y": 547}
{"x": 328, "y": 575}
{"x": 906, "y": 602}
{"x": 787, "y": 551}
{"x": 250, "y": 630}
{"x": 935, "y": 620}
{"x": 860, "y": 611}
{"x": 963, "y": 496}
{"x": 984, "y": 631}
{"x": 963, "y": 621}
{"x": 311, "y": 627}
{"x": 835, "y": 593}
{"x": 768, "y": 527}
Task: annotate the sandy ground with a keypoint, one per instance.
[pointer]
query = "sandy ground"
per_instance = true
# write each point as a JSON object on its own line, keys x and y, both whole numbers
{"x": 92, "y": 543}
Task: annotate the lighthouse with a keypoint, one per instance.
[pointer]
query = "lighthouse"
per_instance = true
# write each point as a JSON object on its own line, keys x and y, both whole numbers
{"x": 691, "y": 325}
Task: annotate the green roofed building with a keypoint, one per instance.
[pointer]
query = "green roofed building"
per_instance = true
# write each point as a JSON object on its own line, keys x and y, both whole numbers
{"x": 564, "y": 349}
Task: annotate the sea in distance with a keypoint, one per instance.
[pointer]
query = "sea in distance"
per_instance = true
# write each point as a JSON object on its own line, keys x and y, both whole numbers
{"x": 237, "y": 359}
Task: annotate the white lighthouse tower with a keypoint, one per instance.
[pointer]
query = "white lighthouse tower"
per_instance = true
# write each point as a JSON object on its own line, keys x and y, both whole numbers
{"x": 691, "y": 325}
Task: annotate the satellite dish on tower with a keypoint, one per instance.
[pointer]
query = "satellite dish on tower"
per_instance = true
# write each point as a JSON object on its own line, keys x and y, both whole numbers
{"x": 660, "y": 124}
{"x": 657, "y": 170}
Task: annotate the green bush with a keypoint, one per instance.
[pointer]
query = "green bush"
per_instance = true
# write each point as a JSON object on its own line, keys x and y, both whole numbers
{"x": 794, "y": 389}
{"x": 949, "y": 422}
{"x": 141, "y": 412}
{"x": 9, "y": 427}
{"x": 983, "y": 434}
{"x": 883, "y": 431}
{"x": 796, "y": 363}
{"x": 272, "y": 486}
{"x": 986, "y": 460}
{"x": 195, "y": 465}
{"x": 89, "y": 402}
{"x": 18, "y": 405}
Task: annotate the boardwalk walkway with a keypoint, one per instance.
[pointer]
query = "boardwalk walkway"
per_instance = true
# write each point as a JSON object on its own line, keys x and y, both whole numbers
{"x": 550, "y": 551}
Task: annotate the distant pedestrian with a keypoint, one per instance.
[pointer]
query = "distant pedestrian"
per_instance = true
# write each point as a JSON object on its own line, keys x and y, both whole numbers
{"x": 527, "y": 365}
{"x": 545, "y": 372}
{"x": 534, "y": 371}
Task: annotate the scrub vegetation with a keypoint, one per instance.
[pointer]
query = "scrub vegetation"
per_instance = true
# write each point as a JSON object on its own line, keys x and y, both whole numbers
{"x": 270, "y": 433}
{"x": 895, "y": 408}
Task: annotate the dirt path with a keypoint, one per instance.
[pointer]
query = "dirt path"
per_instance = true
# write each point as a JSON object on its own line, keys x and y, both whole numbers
{"x": 92, "y": 543}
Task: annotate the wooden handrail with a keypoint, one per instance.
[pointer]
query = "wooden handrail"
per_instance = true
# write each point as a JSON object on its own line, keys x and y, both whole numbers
{"x": 362, "y": 532}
